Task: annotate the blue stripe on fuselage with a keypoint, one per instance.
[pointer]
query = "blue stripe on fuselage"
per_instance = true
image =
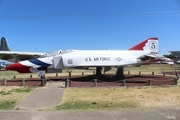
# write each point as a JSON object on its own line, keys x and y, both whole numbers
{"x": 40, "y": 63}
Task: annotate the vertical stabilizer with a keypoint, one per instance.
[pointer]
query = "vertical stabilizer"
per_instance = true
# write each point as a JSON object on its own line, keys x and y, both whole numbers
{"x": 150, "y": 44}
{"x": 4, "y": 45}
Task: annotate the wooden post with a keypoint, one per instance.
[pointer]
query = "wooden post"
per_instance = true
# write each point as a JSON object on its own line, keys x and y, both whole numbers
{"x": 149, "y": 82}
{"x": 56, "y": 74}
{"x": 164, "y": 74}
{"x": 30, "y": 76}
{"x": 23, "y": 82}
{"x": 43, "y": 82}
{"x": 124, "y": 83}
{"x": 139, "y": 72}
{"x": 128, "y": 72}
{"x": 14, "y": 77}
{"x": 177, "y": 75}
{"x": 67, "y": 83}
{"x": 153, "y": 73}
{"x": 82, "y": 73}
{"x": 95, "y": 82}
{"x": 175, "y": 81}
{"x": 5, "y": 81}
{"x": 93, "y": 72}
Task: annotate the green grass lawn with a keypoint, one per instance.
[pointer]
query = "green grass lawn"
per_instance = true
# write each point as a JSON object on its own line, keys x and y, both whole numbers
{"x": 120, "y": 98}
{"x": 10, "y": 95}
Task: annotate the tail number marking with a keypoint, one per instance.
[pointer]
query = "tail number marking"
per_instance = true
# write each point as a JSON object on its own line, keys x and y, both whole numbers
{"x": 153, "y": 45}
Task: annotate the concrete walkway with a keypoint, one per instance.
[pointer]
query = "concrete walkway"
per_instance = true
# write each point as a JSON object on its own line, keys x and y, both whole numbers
{"x": 43, "y": 97}
{"x": 137, "y": 114}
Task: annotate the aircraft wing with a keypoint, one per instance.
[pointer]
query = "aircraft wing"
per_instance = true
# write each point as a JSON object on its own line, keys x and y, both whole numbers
{"x": 19, "y": 56}
{"x": 147, "y": 59}
{"x": 13, "y": 56}
{"x": 154, "y": 56}
{"x": 176, "y": 53}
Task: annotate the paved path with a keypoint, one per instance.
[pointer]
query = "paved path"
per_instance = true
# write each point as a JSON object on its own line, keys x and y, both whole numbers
{"x": 43, "y": 97}
{"x": 155, "y": 114}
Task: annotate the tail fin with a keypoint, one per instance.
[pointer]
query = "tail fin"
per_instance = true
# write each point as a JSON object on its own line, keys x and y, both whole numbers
{"x": 4, "y": 45}
{"x": 150, "y": 44}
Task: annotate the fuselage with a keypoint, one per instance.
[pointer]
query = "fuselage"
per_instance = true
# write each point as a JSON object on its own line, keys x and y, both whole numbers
{"x": 82, "y": 58}
{"x": 101, "y": 57}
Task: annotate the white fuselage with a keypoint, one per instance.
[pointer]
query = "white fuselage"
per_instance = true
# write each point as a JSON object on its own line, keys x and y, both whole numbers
{"x": 101, "y": 57}
{"x": 84, "y": 58}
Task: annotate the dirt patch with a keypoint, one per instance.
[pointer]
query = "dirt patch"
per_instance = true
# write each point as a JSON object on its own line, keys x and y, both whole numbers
{"x": 131, "y": 80}
{"x": 104, "y": 80}
{"x": 19, "y": 82}
{"x": 172, "y": 73}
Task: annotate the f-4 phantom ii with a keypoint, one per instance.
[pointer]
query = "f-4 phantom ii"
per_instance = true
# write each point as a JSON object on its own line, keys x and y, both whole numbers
{"x": 14, "y": 56}
{"x": 145, "y": 52}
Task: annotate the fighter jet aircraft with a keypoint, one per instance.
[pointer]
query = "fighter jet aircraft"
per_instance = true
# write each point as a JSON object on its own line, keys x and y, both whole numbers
{"x": 144, "y": 53}
{"x": 14, "y": 56}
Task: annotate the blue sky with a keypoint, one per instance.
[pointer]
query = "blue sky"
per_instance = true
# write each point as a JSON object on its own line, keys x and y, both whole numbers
{"x": 45, "y": 26}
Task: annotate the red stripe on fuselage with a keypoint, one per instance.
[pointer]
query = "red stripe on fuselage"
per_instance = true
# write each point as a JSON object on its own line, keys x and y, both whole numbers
{"x": 19, "y": 68}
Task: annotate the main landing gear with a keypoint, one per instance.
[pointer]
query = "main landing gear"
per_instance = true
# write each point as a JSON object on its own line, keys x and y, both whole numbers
{"x": 119, "y": 73}
{"x": 98, "y": 71}
{"x": 42, "y": 77}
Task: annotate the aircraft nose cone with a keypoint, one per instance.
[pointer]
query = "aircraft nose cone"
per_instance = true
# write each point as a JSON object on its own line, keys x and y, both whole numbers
{"x": 19, "y": 68}
{"x": 12, "y": 66}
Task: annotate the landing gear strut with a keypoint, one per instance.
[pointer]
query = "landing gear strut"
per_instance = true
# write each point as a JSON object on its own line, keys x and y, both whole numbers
{"x": 120, "y": 73}
{"x": 42, "y": 77}
{"x": 98, "y": 71}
